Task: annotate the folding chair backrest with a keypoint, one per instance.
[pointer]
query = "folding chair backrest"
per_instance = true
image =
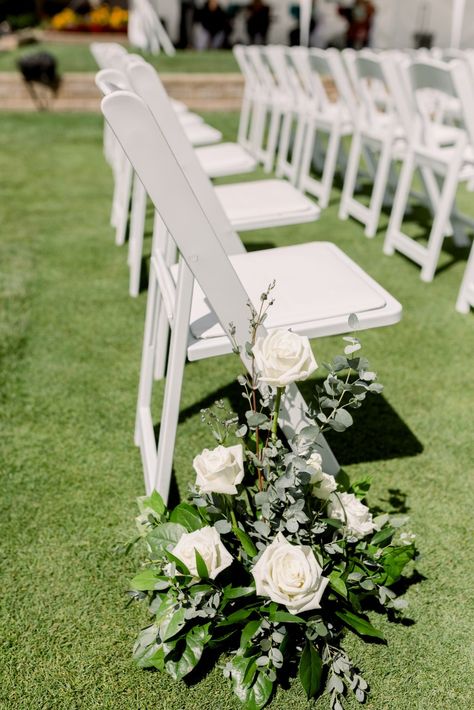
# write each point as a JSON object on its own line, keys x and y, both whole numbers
{"x": 263, "y": 70}
{"x": 146, "y": 83}
{"x": 246, "y": 67}
{"x": 445, "y": 81}
{"x": 109, "y": 80}
{"x": 374, "y": 91}
{"x": 106, "y": 53}
{"x": 283, "y": 70}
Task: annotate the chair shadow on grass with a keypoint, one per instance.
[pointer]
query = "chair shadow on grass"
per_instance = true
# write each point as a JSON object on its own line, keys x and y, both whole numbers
{"x": 378, "y": 432}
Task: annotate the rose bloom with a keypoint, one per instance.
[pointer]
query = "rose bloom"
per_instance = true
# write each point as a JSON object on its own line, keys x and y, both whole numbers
{"x": 283, "y": 357}
{"x": 322, "y": 483}
{"x": 354, "y": 514}
{"x": 220, "y": 470}
{"x": 207, "y": 542}
{"x": 290, "y": 575}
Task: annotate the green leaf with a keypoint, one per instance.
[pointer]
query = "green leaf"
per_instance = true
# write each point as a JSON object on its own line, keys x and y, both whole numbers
{"x": 154, "y": 501}
{"x": 286, "y": 618}
{"x": 164, "y": 537}
{"x": 260, "y": 692}
{"x": 246, "y": 542}
{"x": 201, "y": 565}
{"x": 188, "y": 654}
{"x": 237, "y": 592}
{"x": 240, "y": 672}
{"x": 394, "y": 560}
{"x": 180, "y": 566}
{"x": 310, "y": 670}
{"x": 337, "y": 584}
{"x": 172, "y": 624}
{"x": 148, "y": 580}
{"x": 382, "y": 536}
{"x": 248, "y": 631}
{"x": 187, "y": 516}
{"x": 146, "y": 640}
{"x": 360, "y": 625}
{"x": 236, "y": 616}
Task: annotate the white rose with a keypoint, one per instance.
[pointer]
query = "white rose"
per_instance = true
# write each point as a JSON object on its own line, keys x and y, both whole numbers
{"x": 290, "y": 575}
{"x": 356, "y": 517}
{"x": 322, "y": 483}
{"x": 207, "y": 542}
{"x": 220, "y": 470}
{"x": 283, "y": 357}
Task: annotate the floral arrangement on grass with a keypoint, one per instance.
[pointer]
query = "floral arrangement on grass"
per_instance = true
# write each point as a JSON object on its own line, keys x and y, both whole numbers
{"x": 104, "y": 18}
{"x": 272, "y": 560}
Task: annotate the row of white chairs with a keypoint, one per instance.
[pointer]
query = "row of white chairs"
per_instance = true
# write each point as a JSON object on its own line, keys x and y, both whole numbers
{"x": 194, "y": 300}
{"x": 395, "y": 107}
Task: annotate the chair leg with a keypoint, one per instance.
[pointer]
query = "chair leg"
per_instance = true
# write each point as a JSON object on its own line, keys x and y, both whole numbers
{"x": 137, "y": 229}
{"x": 379, "y": 188}
{"x": 271, "y": 147}
{"x": 284, "y": 145}
{"x": 399, "y": 203}
{"x": 297, "y": 150}
{"x": 351, "y": 175}
{"x": 443, "y": 213}
{"x": 160, "y": 242}
{"x": 174, "y": 379}
{"x": 307, "y": 154}
{"x": 124, "y": 203}
{"x": 330, "y": 163}
{"x": 463, "y": 303}
{"x": 144, "y": 435}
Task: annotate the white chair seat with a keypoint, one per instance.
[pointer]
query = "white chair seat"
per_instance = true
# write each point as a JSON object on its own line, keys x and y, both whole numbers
{"x": 178, "y": 106}
{"x": 189, "y": 119}
{"x": 225, "y": 159}
{"x": 272, "y": 203}
{"x": 329, "y": 287}
{"x": 202, "y": 134}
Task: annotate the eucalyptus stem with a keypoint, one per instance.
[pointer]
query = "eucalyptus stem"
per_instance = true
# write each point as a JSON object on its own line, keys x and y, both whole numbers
{"x": 276, "y": 412}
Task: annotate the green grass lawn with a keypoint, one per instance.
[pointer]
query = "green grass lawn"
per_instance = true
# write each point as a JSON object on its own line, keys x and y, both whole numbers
{"x": 70, "y": 340}
{"x": 77, "y": 58}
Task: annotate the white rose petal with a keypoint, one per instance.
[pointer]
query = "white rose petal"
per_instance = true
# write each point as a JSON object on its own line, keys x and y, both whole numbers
{"x": 220, "y": 470}
{"x": 283, "y": 357}
{"x": 356, "y": 517}
{"x": 322, "y": 483}
{"x": 290, "y": 575}
{"x": 207, "y": 542}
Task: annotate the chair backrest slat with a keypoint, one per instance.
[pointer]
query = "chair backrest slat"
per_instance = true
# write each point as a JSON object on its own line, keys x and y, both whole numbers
{"x": 146, "y": 83}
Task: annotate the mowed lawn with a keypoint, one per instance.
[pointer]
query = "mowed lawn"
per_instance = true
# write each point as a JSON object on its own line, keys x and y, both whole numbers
{"x": 70, "y": 341}
{"x": 77, "y": 58}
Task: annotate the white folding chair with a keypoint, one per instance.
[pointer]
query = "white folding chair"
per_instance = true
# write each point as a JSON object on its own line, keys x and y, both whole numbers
{"x": 326, "y": 116}
{"x": 466, "y": 293}
{"x": 318, "y": 286}
{"x": 293, "y": 127}
{"x": 449, "y": 161}
{"x": 377, "y": 132}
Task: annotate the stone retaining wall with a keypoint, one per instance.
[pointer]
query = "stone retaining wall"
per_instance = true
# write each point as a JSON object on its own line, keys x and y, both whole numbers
{"x": 201, "y": 92}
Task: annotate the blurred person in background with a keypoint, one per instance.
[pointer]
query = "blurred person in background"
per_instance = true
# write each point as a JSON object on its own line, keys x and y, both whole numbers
{"x": 360, "y": 16}
{"x": 212, "y": 28}
{"x": 258, "y": 22}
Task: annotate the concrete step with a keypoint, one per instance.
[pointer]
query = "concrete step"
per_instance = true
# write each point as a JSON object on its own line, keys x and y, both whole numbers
{"x": 78, "y": 92}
